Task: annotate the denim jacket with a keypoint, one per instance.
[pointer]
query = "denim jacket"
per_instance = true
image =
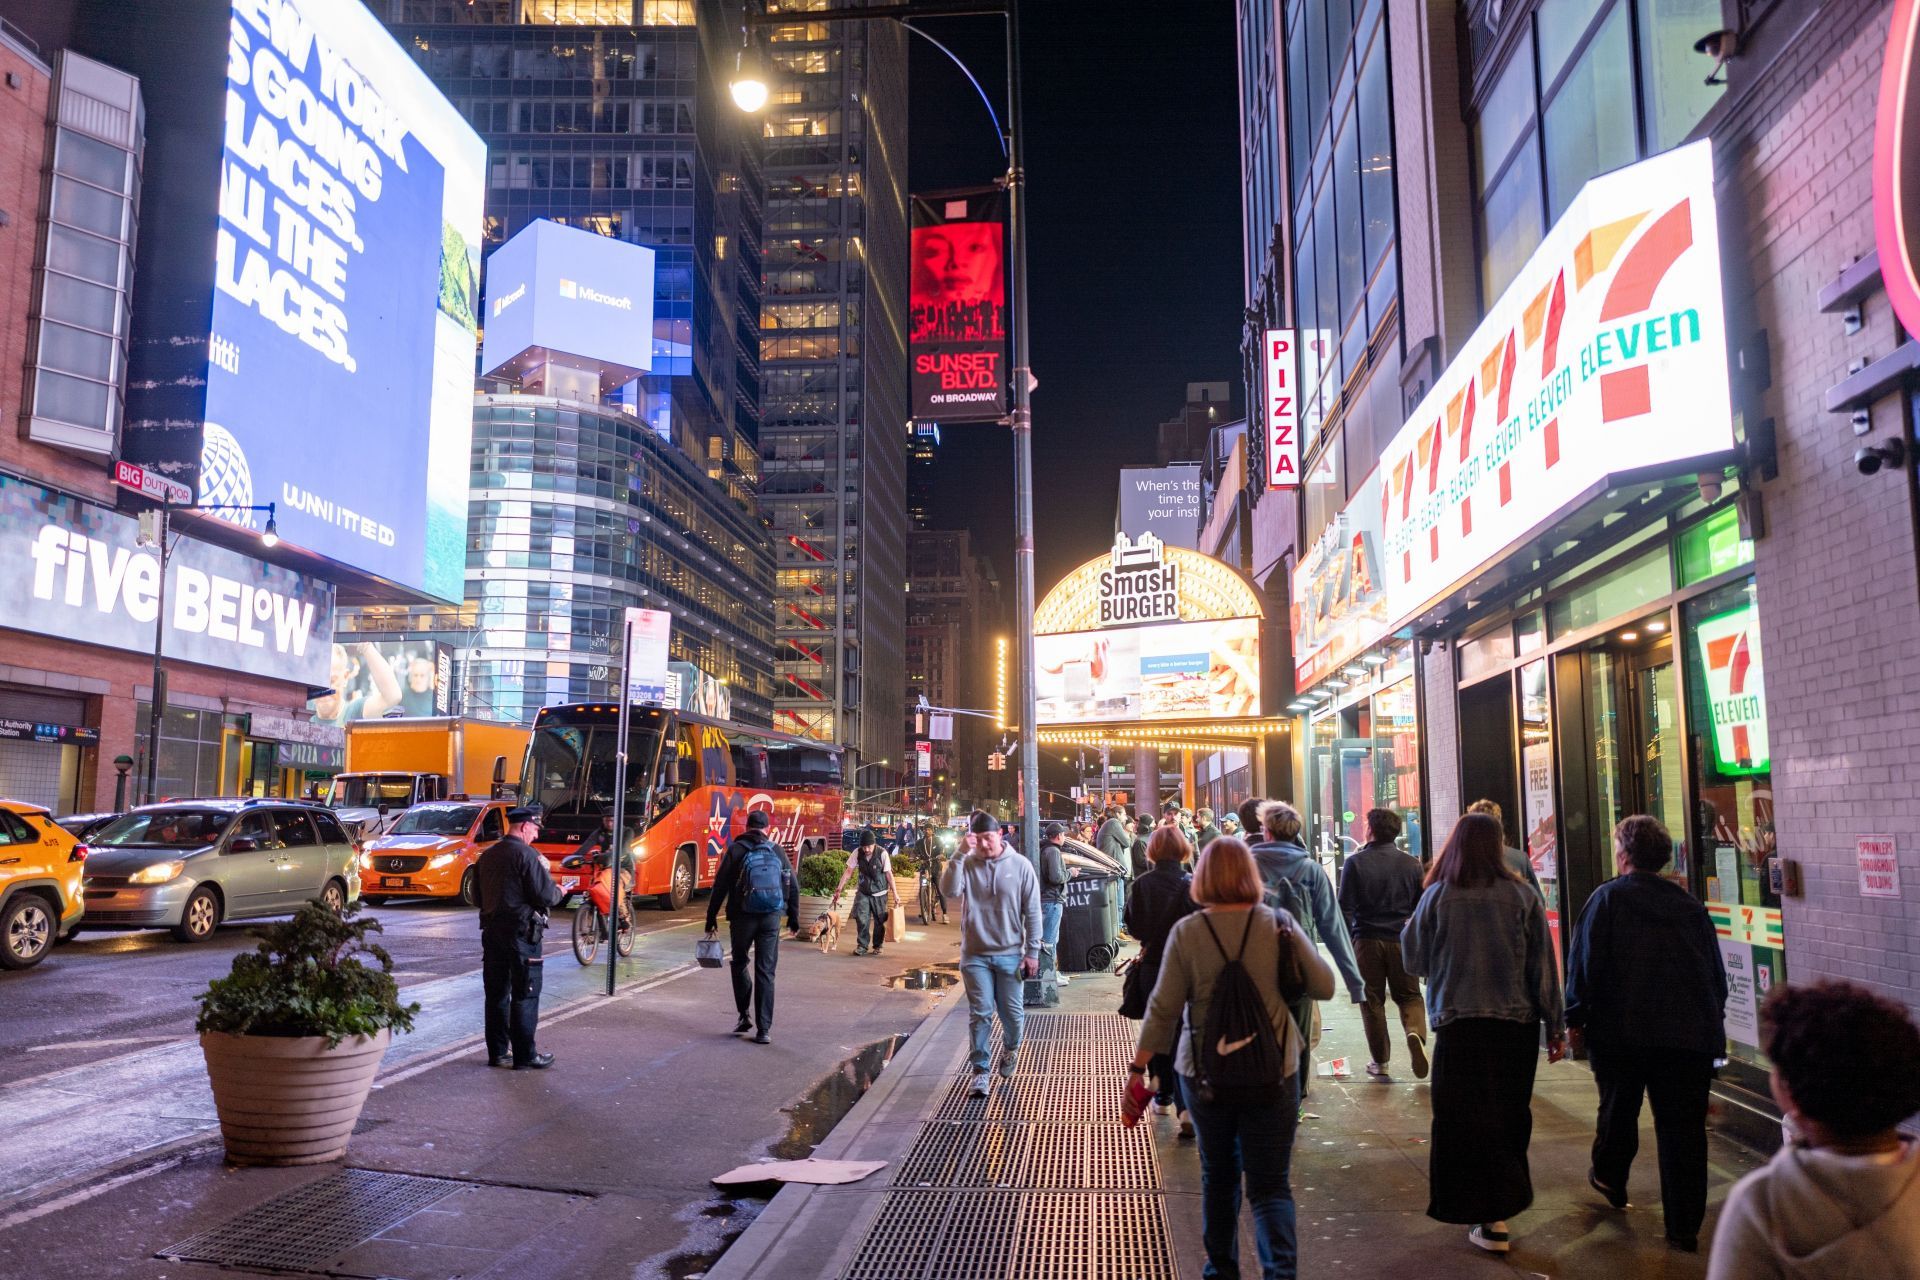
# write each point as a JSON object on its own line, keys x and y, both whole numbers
{"x": 1485, "y": 953}
{"x": 1278, "y": 860}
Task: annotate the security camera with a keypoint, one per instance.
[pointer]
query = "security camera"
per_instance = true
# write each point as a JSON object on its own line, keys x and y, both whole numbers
{"x": 1721, "y": 46}
{"x": 1869, "y": 459}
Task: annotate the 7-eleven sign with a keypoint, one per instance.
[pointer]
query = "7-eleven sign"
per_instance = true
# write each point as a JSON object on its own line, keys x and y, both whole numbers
{"x": 1736, "y": 690}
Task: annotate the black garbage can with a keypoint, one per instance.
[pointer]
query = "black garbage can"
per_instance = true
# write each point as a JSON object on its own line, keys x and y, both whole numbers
{"x": 1089, "y": 921}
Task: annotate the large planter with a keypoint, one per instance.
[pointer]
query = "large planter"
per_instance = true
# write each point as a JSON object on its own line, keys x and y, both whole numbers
{"x": 813, "y": 906}
{"x": 289, "y": 1100}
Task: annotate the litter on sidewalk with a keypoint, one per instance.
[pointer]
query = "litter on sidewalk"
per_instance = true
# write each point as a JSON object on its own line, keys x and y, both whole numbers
{"x": 820, "y": 1173}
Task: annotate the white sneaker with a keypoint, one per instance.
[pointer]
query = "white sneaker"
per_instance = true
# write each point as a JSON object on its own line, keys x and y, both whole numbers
{"x": 1062, "y": 979}
{"x": 1163, "y": 1108}
{"x": 982, "y": 1082}
{"x": 1491, "y": 1236}
{"x": 1008, "y": 1061}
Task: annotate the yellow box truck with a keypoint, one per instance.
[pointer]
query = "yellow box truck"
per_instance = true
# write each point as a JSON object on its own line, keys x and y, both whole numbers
{"x": 394, "y": 764}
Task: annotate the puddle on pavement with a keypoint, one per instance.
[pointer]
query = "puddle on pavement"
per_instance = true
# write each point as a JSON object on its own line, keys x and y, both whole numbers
{"x": 813, "y": 1117}
{"x": 694, "y": 1264}
{"x": 931, "y": 978}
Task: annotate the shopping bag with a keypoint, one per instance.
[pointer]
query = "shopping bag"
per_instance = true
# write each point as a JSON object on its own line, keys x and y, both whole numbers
{"x": 896, "y": 922}
{"x": 709, "y": 953}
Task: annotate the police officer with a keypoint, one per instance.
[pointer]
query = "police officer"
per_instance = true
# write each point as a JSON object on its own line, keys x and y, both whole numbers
{"x": 515, "y": 891}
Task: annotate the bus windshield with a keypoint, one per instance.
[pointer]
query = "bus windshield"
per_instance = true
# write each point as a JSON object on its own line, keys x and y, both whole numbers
{"x": 371, "y": 790}
{"x": 570, "y": 770}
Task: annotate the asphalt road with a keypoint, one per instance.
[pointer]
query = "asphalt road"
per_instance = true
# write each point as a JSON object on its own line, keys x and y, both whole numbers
{"x": 106, "y": 994}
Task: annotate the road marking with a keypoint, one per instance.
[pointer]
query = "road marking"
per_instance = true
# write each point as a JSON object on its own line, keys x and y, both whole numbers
{"x": 100, "y": 1044}
{"x": 84, "y": 1194}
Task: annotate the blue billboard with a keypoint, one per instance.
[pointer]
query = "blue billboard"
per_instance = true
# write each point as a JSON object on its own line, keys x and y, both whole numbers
{"x": 560, "y": 293}
{"x": 340, "y": 354}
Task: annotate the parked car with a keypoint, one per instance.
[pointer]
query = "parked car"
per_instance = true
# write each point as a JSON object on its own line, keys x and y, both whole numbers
{"x": 187, "y": 865}
{"x": 83, "y": 826}
{"x": 431, "y": 850}
{"x": 41, "y": 866}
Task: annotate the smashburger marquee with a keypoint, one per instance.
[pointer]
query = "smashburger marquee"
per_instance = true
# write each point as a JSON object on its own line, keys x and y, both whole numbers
{"x": 1148, "y": 632}
{"x": 1605, "y": 356}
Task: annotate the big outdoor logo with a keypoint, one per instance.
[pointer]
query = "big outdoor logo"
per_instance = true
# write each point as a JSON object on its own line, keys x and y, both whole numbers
{"x": 1736, "y": 690}
{"x": 1139, "y": 586}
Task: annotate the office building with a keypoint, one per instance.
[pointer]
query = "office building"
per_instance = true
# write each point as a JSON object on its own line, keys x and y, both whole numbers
{"x": 954, "y": 616}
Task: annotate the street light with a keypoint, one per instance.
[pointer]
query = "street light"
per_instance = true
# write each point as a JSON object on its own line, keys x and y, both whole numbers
{"x": 749, "y": 83}
{"x": 747, "y": 77}
{"x": 157, "y": 700}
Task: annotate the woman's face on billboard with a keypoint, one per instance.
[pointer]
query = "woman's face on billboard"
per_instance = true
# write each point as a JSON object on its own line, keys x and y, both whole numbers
{"x": 959, "y": 262}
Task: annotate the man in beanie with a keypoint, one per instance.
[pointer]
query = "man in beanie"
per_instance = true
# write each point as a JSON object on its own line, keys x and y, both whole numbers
{"x": 1053, "y": 894}
{"x": 999, "y": 941}
{"x": 872, "y": 872}
{"x": 514, "y": 891}
{"x": 755, "y": 883}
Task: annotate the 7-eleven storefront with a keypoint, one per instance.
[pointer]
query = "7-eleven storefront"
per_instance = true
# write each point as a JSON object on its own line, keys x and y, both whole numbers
{"x": 1556, "y": 536}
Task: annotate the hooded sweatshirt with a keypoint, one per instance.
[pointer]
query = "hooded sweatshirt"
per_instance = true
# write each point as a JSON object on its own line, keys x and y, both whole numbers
{"x": 1000, "y": 896}
{"x": 1814, "y": 1214}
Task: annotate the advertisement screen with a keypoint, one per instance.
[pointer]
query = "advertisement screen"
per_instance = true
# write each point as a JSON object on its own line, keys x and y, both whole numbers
{"x": 1170, "y": 671}
{"x": 567, "y": 292}
{"x": 340, "y": 360}
{"x": 957, "y": 335}
{"x": 1162, "y": 501}
{"x": 387, "y": 678}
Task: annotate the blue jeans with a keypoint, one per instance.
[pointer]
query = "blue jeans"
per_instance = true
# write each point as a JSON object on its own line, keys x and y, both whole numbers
{"x": 1050, "y": 933}
{"x": 993, "y": 982}
{"x": 1254, "y": 1138}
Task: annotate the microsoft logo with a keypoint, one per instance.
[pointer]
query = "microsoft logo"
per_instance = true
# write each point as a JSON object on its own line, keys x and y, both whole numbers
{"x": 568, "y": 289}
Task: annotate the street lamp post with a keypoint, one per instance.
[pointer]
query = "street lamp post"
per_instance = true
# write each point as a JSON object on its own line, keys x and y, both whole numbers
{"x": 156, "y": 703}
{"x": 750, "y": 94}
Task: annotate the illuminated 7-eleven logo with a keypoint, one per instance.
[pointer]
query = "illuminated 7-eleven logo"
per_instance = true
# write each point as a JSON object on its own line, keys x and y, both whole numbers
{"x": 1736, "y": 690}
{"x": 1526, "y": 361}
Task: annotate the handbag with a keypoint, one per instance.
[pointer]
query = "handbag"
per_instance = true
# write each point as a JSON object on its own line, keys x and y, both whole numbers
{"x": 709, "y": 953}
{"x": 1136, "y": 988}
{"x": 1292, "y": 976}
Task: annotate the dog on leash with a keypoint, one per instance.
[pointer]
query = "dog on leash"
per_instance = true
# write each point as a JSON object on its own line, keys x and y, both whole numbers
{"x": 825, "y": 931}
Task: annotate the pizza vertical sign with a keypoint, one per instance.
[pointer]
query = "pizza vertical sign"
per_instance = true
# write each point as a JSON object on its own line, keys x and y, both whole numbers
{"x": 1282, "y": 366}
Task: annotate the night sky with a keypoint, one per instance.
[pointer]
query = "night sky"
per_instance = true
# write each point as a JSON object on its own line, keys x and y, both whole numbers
{"x": 1134, "y": 264}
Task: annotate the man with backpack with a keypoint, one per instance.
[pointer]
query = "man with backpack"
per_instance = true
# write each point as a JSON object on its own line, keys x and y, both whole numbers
{"x": 1296, "y": 884}
{"x": 755, "y": 883}
{"x": 871, "y": 870}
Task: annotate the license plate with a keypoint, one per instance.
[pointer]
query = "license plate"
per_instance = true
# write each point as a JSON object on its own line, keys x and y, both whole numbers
{"x": 393, "y": 882}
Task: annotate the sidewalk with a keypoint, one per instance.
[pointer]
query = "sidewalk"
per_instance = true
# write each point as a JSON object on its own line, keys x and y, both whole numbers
{"x": 1041, "y": 1181}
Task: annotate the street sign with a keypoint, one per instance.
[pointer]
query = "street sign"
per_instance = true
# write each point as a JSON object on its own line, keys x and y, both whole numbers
{"x": 923, "y": 755}
{"x": 157, "y": 487}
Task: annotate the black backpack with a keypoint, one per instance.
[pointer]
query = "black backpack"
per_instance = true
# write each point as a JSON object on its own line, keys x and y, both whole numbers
{"x": 1238, "y": 1048}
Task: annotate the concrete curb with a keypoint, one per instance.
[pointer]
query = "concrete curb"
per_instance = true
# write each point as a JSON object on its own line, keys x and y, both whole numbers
{"x": 812, "y": 1232}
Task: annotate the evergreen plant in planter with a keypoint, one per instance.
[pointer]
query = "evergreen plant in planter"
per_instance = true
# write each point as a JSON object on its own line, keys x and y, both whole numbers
{"x": 294, "y": 1034}
{"x": 819, "y": 873}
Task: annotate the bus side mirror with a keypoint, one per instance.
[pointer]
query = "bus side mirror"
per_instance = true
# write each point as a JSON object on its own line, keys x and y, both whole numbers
{"x": 499, "y": 775}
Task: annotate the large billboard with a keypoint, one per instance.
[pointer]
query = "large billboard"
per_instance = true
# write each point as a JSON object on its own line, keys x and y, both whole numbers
{"x": 374, "y": 679}
{"x": 555, "y": 292}
{"x": 77, "y": 571}
{"x": 1162, "y": 501}
{"x": 339, "y": 382}
{"x": 1605, "y": 358}
{"x": 957, "y": 334}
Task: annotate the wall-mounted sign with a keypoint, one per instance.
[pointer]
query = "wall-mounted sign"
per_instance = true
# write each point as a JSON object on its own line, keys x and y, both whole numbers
{"x": 1281, "y": 363}
{"x": 1736, "y": 690}
{"x": 1162, "y": 501}
{"x": 648, "y": 633}
{"x": 1879, "y": 866}
{"x": 957, "y": 298}
{"x": 1339, "y": 592}
{"x": 923, "y": 758}
{"x": 74, "y": 570}
{"x": 1139, "y": 585}
{"x": 1896, "y": 167}
{"x": 561, "y": 293}
{"x": 58, "y": 734}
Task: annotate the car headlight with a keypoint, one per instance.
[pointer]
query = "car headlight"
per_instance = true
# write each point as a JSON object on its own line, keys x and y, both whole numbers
{"x": 439, "y": 860}
{"x": 366, "y": 861}
{"x": 158, "y": 873}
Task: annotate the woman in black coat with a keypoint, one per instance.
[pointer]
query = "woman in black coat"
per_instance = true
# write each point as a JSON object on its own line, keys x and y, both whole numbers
{"x": 1157, "y": 902}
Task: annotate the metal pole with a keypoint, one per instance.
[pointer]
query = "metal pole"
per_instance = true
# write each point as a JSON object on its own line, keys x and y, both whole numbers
{"x": 1106, "y": 777}
{"x": 158, "y": 698}
{"x": 1021, "y": 420}
{"x": 619, "y": 799}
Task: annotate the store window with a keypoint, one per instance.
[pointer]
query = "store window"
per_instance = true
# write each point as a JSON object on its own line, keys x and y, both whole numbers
{"x": 1364, "y": 753}
{"x": 1733, "y": 820}
{"x": 1625, "y": 590}
{"x": 1713, "y": 547}
{"x": 1537, "y": 815}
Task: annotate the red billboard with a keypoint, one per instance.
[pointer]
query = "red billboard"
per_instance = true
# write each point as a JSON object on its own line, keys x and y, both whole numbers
{"x": 957, "y": 333}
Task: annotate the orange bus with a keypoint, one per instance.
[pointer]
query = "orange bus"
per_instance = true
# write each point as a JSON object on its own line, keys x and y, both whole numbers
{"x": 691, "y": 781}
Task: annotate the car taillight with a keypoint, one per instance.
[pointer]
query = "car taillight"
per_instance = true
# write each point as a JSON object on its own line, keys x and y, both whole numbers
{"x": 79, "y": 854}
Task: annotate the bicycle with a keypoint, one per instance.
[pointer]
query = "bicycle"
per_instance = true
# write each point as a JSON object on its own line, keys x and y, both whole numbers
{"x": 590, "y": 917}
{"x": 930, "y": 863}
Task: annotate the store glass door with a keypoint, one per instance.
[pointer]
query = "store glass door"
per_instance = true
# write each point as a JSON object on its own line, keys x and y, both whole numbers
{"x": 1659, "y": 783}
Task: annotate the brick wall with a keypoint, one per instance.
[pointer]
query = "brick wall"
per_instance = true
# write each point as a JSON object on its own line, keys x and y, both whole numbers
{"x": 1838, "y": 593}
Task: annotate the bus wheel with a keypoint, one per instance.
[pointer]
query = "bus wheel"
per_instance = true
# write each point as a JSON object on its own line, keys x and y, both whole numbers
{"x": 680, "y": 889}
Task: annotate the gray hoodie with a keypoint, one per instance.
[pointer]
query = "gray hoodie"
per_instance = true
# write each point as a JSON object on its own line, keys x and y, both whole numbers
{"x": 1000, "y": 912}
{"x": 1813, "y": 1214}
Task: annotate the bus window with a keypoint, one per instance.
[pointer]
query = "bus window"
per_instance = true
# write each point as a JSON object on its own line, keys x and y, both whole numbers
{"x": 715, "y": 764}
{"x": 553, "y": 766}
{"x": 798, "y": 766}
{"x": 749, "y": 761}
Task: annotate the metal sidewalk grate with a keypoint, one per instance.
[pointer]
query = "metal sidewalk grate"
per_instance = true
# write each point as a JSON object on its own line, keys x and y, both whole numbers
{"x": 1061, "y": 1057}
{"x": 1035, "y": 1100}
{"x": 1003, "y": 1235}
{"x": 1065, "y": 1156}
{"x": 1087, "y": 1029}
{"x": 308, "y": 1227}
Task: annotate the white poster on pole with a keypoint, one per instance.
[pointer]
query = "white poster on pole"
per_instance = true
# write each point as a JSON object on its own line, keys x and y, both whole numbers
{"x": 648, "y": 631}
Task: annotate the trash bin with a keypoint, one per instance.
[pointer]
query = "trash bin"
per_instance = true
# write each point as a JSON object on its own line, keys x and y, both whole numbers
{"x": 1090, "y": 921}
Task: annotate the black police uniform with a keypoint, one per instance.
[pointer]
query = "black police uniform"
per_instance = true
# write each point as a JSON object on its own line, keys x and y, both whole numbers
{"x": 515, "y": 890}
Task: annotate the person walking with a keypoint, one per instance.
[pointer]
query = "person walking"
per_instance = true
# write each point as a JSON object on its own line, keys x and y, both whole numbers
{"x": 1840, "y": 1200}
{"x": 1206, "y": 829}
{"x": 514, "y": 891}
{"x": 756, "y": 886}
{"x": 1157, "y": 901}
{"x": 1053, "y": 897}
{"x": 1379, "y": 888}
{"x": 1479, "y": 938}
{"x": 872, "y": 873}
{"x": 1137, "y": 838}
{"x": 1296, "y": 883}
{"x": 1646, "y": 995}
{"x": 1522, "y": 865}
{"x": 1246, "y": 1131}
{"x": 999, "y": 942}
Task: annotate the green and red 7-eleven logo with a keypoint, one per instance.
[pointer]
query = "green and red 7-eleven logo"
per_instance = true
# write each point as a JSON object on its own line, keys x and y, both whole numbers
{"x": 1736, "y": 692}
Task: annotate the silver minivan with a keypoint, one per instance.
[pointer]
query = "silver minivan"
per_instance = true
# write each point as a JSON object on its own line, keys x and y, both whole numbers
{"x": 189, "y": 864}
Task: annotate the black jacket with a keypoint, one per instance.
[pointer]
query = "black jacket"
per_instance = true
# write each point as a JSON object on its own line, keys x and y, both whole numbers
{"x": 1053, "y": 872}
{"x": 728, "y": 885}
{"x": 1157, "y": 902}
{"x": 1138, "y": 853}
{"x": 1379, "y": 888}
{"x": 513, "y": 886}
{"x": 1644, "y": 967}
